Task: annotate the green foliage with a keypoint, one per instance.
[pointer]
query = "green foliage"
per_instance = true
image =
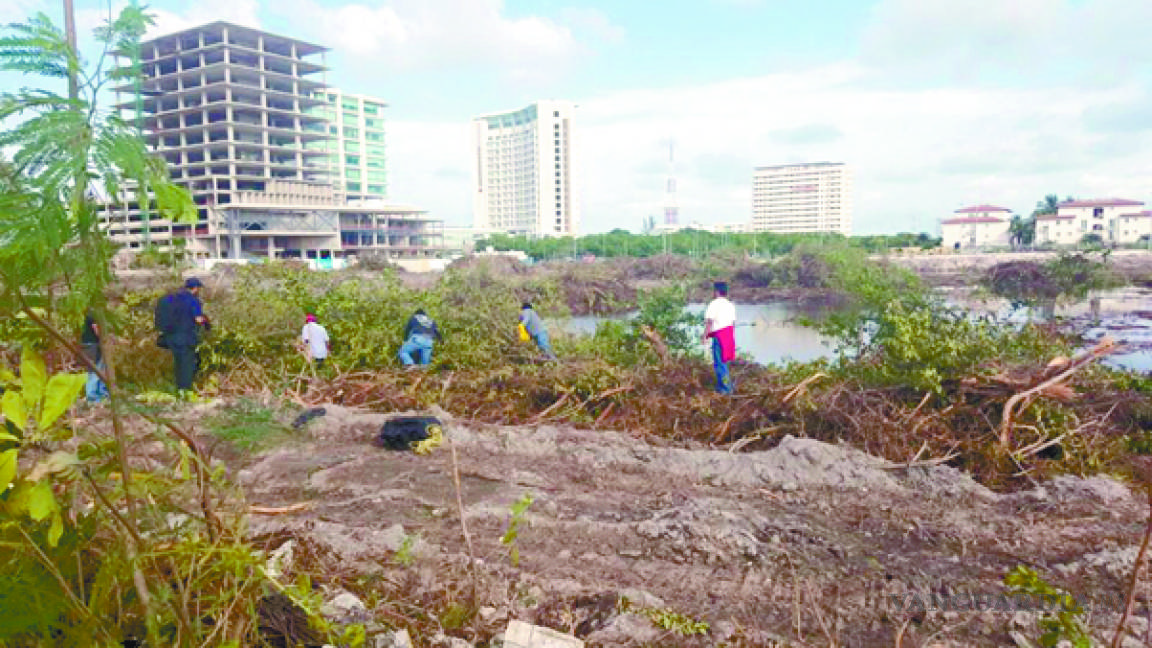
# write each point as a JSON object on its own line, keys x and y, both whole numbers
{"x": 518, "y": 511}
{"x": 895, "y": 331}
{"x": 1068, "y": 277}
{"x": 121, "y": 556}
{"x": 665, "y": 619}
{"x": 405, "y": 556}
{"x": 662, "y": 309}
{"x": 696, "y": 243}
{"x": 1063, "y": 621}
{"x": 248, "y": 425}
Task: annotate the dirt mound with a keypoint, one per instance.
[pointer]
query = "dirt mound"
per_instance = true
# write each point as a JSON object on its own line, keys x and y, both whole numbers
{"x": 497, "y": 264}
{"x": 660, "y": 266}
{"x": 807, "y": 542}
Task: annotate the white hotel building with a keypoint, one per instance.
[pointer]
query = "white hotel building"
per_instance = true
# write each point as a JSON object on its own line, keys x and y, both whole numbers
{"x": 815, "y": 197}
{"x": 524, "y": 175}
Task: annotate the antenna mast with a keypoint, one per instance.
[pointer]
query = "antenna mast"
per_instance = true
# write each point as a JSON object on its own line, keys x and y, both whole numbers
{"x": 671, "y": 210}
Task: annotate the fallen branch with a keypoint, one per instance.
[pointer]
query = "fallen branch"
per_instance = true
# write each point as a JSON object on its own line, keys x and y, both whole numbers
{"x": 280, "y": 510}
{"x": 551, "y": 408}
{"x": 1106, "y": 346}
{"x": 657, "y": 343}
{"x": 799, "y": 389}
{"x": 463, "y": 519}
{"x": 1118, "y": 637}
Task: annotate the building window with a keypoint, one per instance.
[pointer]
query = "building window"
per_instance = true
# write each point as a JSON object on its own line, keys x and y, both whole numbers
{"x": 351, "y": 132}
{"x": 351, "y": 159}
{"x": 353, "y": 186}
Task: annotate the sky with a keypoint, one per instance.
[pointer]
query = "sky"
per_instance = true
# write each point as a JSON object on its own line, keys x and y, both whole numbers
{"x": 935, "y": 104}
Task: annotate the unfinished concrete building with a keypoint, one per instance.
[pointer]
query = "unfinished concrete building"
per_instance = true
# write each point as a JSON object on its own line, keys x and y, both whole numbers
{"x": 234, "y": 113}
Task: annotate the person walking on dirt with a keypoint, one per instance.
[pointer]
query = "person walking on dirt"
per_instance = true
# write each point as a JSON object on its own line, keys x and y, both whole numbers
{"x": 314, "y": 338}
{"x": 94, "y": 389}
{"x": 180, "y": 315}
{"x": 534, "y": 326}
{"x": 420, "y": 334}
{"x": 720, "y": 327}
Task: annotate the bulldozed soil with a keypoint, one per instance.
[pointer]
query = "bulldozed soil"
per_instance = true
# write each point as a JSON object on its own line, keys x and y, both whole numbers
{"x": 804, "y": 544}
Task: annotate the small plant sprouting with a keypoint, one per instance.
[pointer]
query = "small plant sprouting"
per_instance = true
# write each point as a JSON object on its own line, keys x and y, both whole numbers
{"x": 405, "y": 556}
{"x": 665, "y": 619}
{"x": 1063, "y": 621}
{"x": 513, "y": 532}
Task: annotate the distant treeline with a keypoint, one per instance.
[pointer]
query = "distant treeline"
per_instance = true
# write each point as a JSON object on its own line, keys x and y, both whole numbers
{"x": 620, "y": 242}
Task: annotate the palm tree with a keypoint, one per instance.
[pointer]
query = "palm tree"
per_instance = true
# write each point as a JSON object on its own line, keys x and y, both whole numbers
{"x": 1022, "y": 231}
{"x": 1050, "y": 205}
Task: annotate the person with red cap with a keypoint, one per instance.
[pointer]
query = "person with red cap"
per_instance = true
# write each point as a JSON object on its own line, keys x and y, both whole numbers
{"x": 314, "y": 338}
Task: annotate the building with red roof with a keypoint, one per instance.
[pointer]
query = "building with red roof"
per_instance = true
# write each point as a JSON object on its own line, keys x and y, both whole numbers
{"x": 1114, "y": 220}
{"x": 978, "y": 227}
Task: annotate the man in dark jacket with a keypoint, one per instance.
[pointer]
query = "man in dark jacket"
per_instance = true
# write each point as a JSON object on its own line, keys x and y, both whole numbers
{"x": 182, "y": 334}
{"x": 419, "y": 336}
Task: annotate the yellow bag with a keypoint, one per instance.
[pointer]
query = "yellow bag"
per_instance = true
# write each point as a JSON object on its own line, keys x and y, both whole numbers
{"x": 524, "y": 337}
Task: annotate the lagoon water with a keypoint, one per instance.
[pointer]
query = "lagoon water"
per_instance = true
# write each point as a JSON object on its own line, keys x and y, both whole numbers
{"x": 772, "y": 333}
{"x": 766, "y": 333}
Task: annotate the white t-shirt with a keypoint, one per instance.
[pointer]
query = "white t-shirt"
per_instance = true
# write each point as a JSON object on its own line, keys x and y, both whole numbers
{"x": 722, "y": 313}
{"x": 316, "y": 337}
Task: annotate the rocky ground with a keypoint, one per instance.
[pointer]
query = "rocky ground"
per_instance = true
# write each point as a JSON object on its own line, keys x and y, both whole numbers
{"x": 807, "y": 544}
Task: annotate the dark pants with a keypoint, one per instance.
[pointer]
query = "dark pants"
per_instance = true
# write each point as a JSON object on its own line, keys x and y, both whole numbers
{"x": 185, "y": 363}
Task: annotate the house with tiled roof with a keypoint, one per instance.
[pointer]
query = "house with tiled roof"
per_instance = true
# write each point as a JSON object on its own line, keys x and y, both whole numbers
{"x": 1114, "y": 220}
{"x": 976, "y": 227}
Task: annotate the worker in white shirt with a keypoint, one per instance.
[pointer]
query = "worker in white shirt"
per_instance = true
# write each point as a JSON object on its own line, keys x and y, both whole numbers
{"x": 314, "y": 338}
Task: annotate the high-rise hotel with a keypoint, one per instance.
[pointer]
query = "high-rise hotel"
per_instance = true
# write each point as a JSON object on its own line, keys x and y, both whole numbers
{"x": 524, "y": 176}
{"x": 815, "y": 197}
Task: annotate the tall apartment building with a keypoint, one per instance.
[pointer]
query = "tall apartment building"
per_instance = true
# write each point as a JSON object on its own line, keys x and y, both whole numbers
{"x": 524, "y": 175}
{"x": 239, "y": 116}
{"x": 355, "y": 153}
{"x": 815, "y": 197}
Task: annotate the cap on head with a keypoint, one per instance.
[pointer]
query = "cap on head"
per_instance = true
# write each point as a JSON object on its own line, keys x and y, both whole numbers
{"x": 193, "y": 282}
{"x": 721, "y": 287}
{"x": 309, "y": 318}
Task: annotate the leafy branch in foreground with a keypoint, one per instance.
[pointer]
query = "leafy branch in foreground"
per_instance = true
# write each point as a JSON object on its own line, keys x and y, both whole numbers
{"x": 126, "y": 555}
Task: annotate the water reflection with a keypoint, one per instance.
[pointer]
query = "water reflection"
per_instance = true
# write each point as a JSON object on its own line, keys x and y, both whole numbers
{"x": 772, "y": 333}
{"x": 766, "y": 333}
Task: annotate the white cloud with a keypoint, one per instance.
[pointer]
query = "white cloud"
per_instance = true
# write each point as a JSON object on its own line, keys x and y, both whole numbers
{"x": 241, "y": 12}
{"x": 918, "y": 154}
{"x": 415, "y": 35}
{"x": 1095, "y": 40}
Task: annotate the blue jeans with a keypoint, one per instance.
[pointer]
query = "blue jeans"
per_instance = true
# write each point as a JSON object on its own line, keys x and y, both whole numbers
{"x": 723, "y": 378}
{"x": 421, "y": 345}
{"x": 94, "y": 389}
{"x": 541, "y": 339}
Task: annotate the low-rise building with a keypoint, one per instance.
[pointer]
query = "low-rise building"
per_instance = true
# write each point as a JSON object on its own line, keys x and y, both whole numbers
{"x": 1114, "y": 220}
{"x": 979, "y": 226}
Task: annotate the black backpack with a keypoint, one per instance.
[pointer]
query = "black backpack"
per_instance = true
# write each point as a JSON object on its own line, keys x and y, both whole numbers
{"x": 399, "y": 433}
{"x": 164, "y": 318}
